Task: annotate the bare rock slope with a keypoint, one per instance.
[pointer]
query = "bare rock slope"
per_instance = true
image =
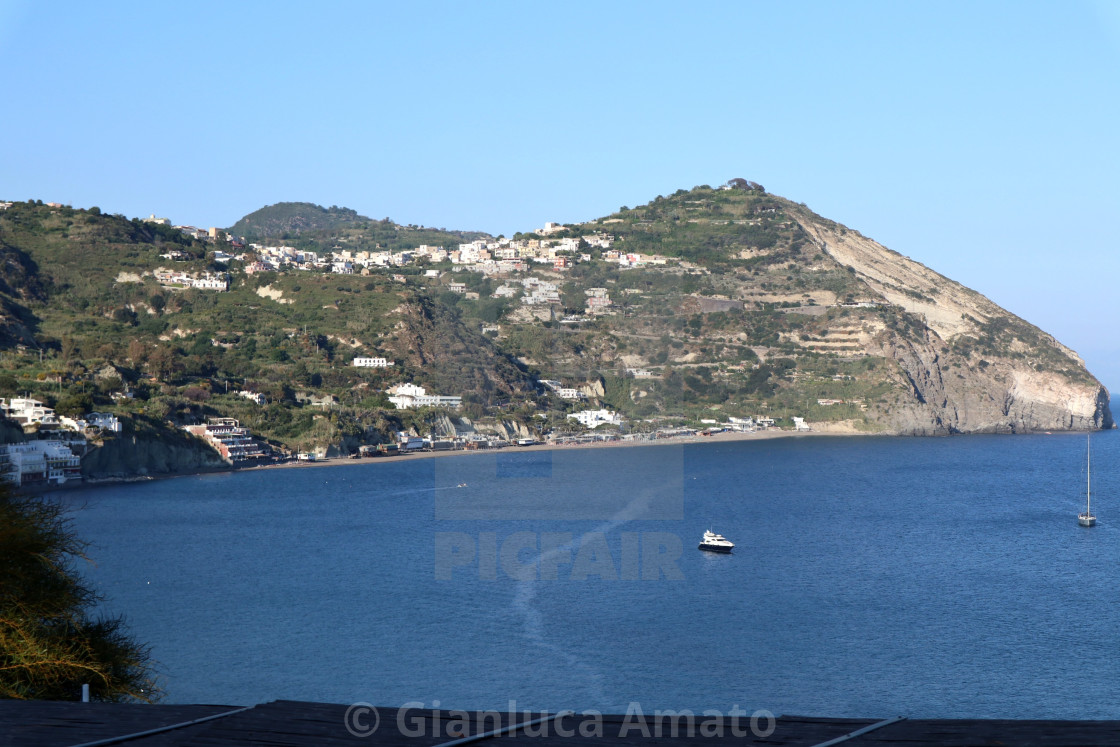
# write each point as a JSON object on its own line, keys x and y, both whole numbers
{"x": 972, "y": 366}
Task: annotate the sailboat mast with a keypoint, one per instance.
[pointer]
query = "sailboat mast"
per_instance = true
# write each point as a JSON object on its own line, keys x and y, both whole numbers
{"x": 1087, "y": 479}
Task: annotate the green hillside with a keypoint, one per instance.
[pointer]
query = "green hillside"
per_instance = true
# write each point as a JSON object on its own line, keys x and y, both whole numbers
{"x": 293, "y": 218}
{"x": 727, "y": 302}
{"x": 185, "y": 353}
{"x": 308, "y": 226}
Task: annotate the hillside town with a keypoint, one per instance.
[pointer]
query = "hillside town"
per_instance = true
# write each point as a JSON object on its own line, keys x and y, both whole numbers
{"x": 499, "y": 258}
{"x": 51, "y": 458}
{"x": 528, "y": 271}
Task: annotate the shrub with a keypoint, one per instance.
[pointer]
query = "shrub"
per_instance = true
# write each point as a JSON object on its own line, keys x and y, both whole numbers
{"x": 49, "y": 645}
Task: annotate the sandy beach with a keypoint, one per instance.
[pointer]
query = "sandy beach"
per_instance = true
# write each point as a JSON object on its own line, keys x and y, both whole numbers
{"x": 818, "y": 429}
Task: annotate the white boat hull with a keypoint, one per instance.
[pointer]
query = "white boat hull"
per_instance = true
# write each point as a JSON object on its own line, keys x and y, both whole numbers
{"x": 715, "y": 548}
{"x": 1086, "y": 521}
{"x": 712, "y": 542}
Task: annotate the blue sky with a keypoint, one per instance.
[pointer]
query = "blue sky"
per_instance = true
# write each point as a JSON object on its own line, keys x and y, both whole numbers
{"x": 979, "y": 138}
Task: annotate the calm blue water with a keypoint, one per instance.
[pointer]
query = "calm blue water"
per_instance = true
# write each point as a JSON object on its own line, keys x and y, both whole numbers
{"x": 872, "y": 577}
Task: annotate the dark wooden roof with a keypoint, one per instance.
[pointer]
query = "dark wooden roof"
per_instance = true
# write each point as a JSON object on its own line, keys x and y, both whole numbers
{"x": 296, "y": 724}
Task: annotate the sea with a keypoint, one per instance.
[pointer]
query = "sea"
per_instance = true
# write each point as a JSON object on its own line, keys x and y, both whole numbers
{"x": 871, "y": 577}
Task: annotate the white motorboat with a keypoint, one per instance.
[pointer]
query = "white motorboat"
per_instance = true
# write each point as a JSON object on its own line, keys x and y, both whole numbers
{"x": 713, "y": 542}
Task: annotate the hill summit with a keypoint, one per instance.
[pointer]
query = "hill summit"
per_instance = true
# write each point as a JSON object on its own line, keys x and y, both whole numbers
{"x": 274, "y": 221}
{"x": 836, "y": 314}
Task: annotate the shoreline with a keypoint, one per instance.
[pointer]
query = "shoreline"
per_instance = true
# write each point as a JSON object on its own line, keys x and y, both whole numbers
{"x": 727, "y": 437}
{"x": 836, "y": 430}
{"x": 841, "y": 429}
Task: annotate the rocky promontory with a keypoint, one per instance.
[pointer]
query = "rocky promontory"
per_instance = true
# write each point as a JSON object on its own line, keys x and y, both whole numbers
{"x": 971, "y": 366}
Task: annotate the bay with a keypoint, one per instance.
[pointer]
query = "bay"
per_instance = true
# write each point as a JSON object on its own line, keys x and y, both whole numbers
{"x": 933, "y": 578}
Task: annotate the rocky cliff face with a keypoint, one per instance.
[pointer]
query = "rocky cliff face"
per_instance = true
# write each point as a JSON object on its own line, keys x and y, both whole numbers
{"x": 970, "y": 366}
{"x": 444, "y": 426}
{"x": 131, "y": 456}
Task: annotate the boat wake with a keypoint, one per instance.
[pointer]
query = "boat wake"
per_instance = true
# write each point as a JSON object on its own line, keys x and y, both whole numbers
{"x": 524, "y": 603}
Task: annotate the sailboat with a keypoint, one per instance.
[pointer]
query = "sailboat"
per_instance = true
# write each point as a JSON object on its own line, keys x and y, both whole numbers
{"x": 1087, "y": 519}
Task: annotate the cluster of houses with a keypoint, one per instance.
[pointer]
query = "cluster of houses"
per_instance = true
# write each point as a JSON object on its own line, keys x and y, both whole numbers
{"x": 48, "y": 462}
{"x": 496, "y": 257}
{"x": 39, "y": 463}
{"x": 218, "y": 281}
{"x": 230, "y": 439}
{"x": 536, "y": 291}
{"x": 407, "y": 396}
{"x": 31, "y": 413}
{"x": 202, "y": 234}
{"x": 500, "y": 256}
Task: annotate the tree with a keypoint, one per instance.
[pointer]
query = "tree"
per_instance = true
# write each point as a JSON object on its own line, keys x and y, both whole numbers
{"x": 74, "y": 404}
{"x": 165, "y": 362}
{"x": 68, "y": 346}
{"x": 137, "y": 351}
{"x": 49, "y": 645}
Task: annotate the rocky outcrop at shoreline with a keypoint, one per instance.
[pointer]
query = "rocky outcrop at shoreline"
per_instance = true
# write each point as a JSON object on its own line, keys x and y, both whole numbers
{"x": 967, "y": 365}
{"x": 139, "y": 456}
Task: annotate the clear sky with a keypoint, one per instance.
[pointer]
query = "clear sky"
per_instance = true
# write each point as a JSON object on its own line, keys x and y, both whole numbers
{"x": 979, "y": 138}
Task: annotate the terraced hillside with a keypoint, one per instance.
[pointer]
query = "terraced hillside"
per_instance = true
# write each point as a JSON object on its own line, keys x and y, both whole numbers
{"x": 700, "y": 305}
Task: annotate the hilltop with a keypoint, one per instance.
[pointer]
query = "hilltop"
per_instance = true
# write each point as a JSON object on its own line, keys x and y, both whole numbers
{"x": 832, "y": 316}
{"x": 274, "y": 221}
{"x": 311, "y": 226}
{"x": 707, "y": 304}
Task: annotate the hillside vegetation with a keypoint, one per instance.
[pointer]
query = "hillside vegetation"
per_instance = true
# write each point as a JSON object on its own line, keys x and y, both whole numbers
{"x": 745, "y": 304}
{"x": 308, "y": 226}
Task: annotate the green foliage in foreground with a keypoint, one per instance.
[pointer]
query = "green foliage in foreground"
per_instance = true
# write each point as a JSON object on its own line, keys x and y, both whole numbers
{"x": 49, "y": 643}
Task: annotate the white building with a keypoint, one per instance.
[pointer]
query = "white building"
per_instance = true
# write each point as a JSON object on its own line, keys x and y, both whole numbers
{"x": 595, "y": 418}
{"x": 230, "y": 439}
{"x": 105, "y": 421}
{"x": 206, "y": 281}
{"x": 257, "y": 397}
{"x": 27, "y": 411}
{"x": 598, "y": 300}
{"x": 211, "y": 281}
{"x": 741, "y": 424}
{"x": 363, "y": 362}
{"x": 562, "y": 391}
{"x": 39, "y": 463}
{"x": 407, "y": 396}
